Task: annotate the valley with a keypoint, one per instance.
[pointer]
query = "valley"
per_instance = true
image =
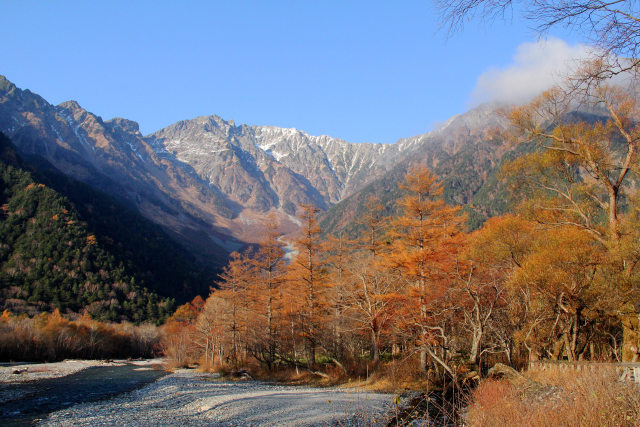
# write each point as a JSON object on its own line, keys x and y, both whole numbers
{"x": 506, "y": 235}
{"x": 320, "y": 213}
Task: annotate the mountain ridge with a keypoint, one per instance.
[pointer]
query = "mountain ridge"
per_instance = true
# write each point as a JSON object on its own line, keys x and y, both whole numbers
{"x": 211, "y": 183}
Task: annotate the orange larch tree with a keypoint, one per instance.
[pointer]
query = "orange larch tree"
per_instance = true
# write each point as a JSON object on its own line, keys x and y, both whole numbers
{"x": 371, "y": 287}
{"x": 270, "y": 269}
{"x": 426, "y": 237}
{"x": 233, "y": 288}
{"x": 338, "y": 253}
{"x": 308, "y": 281}
{"x": 178, "y": 333}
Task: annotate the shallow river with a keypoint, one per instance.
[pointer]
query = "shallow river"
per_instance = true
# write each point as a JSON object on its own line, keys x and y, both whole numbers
{"x": 42, "y": 397}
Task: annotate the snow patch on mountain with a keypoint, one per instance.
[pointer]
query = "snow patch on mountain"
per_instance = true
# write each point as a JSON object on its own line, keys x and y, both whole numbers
{"x": 76, "y": 127}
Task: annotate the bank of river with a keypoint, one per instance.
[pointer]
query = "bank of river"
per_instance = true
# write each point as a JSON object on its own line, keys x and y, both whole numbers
{"x": 125, "y": 394}
{"x": 190, "y": 398}
{"x": 26, "y": 402}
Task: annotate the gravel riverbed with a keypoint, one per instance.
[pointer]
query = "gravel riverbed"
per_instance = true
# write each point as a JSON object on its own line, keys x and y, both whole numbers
{"x": 24, "y": 372}
{"x": 187, "y": 397}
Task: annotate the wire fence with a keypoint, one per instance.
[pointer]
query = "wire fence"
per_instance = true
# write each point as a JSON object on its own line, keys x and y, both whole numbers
{"x": 626, "y": 371}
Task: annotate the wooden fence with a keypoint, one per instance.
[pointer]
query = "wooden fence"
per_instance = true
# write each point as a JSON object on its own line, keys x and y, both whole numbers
{"x": 629, "y": 371}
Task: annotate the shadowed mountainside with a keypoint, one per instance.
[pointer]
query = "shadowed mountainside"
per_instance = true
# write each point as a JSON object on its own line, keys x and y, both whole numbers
{"x": 66, "y": 245}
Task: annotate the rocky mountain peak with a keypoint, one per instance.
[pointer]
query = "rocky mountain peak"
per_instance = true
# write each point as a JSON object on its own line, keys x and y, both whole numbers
{"x": 6, "y": 85}
{"x": 73, "y": 111}
{"x": 124, "y": 125}
{"x": 274, "y": 131}
{"x": 14, "y": 99}
{"x": 70, "y": 105}
{"x": 214, "y": 122}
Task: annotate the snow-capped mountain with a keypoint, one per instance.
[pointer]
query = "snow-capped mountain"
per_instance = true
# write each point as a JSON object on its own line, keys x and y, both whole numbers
{"x": 266, "y": 167}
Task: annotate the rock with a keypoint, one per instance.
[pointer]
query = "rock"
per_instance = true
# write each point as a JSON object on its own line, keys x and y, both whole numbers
{"x": 532, "y": 389}
{"x": 242, "y": 374}
{"x": 502, "y": 371}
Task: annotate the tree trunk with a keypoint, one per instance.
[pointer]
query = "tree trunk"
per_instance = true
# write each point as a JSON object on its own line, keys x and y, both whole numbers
{"x": 293, "y": 343}
{"x": 614, "y": 223}
{"x": 475, "y": 344}
{"x": 375, "y": 351}
{"x": 631, "y": 338}
{"x": 311, "y": 353}
{"x": 557, "y": 348}
{"x": 423, "y": 358}
{"x": 439, "y": 361}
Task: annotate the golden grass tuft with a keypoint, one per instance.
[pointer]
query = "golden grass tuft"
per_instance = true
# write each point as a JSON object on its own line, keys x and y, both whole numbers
{"x": 395, "y": 376}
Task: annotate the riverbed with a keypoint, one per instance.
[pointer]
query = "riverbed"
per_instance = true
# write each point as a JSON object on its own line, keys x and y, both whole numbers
{"x": 25, "y": 402}
{"x": 139, "y": 396}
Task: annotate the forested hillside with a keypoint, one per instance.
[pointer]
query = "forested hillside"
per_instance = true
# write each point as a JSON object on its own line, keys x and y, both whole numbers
{"x": 140, "y": 245}
{"x": 85, "y": 251}
{"x": 467, "y": 154}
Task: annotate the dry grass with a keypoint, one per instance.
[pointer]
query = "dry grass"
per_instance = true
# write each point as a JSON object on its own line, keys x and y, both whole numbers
{"x": 390, "y": 377}
{"x": 287, "y": 376}
{"x": 396, "y": 376}
{"x": 564, "y": 399}
{"x": 171, "y": 365}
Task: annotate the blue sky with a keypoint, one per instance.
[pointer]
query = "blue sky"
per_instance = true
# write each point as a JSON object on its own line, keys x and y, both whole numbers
{"x": 369, "y": 71}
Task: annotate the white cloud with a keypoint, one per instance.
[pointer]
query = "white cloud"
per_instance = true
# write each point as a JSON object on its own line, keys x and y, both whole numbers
{"x": 536, "y": 67}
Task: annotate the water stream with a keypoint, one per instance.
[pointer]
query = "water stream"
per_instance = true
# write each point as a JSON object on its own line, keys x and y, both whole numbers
{"x": 41, "y": 397}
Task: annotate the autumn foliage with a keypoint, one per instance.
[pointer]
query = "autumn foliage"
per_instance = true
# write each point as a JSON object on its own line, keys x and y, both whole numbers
{"x": 338, "y": 304}
{"x": 557, "y": 278}
{"x": 418, "y": 289}
{"x": 52, "y": 337}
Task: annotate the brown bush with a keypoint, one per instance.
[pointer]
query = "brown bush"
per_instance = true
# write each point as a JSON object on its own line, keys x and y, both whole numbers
{"x": 562, "y": 399}
{"x": 50, "y": 337}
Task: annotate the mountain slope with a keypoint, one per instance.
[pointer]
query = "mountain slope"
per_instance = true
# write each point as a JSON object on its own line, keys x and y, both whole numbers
{"x": 145, "y": 250}
{"x": 114, "y": 157}
{"x": 264, "y": 167}
{"x": 268, "y": 169}
{"x": 50, "y": 258}
{"x": 465, "y": 153}
{"x": 206, "y": 181}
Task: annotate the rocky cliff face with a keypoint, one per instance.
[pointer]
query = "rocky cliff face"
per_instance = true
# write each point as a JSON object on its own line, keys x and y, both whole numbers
{"x": 264, "y": 167}
{"x": 210, "y": 182}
